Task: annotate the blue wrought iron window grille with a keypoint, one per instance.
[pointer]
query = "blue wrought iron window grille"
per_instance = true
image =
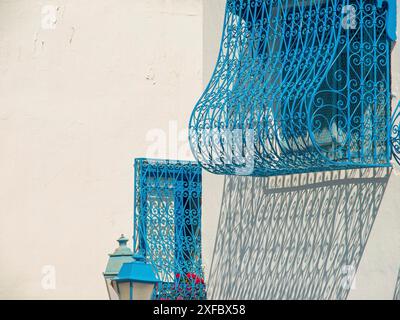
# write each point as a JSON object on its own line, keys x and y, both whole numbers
{"x": 299, "y": 86}
{"x": 167, "y": 226}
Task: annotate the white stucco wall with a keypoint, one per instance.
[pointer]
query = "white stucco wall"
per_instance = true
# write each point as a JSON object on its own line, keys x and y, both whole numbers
{"x": 79, "y": 96}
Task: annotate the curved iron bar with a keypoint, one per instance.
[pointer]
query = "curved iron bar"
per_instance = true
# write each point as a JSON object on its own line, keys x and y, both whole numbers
{"x": 299, "y": 86}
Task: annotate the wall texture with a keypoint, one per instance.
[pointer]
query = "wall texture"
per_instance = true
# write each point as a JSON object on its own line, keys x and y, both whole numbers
{"x": 85, "y": 87}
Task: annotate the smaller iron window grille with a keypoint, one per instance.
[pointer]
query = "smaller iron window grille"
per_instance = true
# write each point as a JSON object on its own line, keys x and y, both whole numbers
{"x": 167, "y": 226}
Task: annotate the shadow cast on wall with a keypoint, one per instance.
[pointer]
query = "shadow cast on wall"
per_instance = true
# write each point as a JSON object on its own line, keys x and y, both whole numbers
{"x": 397, "y": 289}
{"x": 294, "y": 237}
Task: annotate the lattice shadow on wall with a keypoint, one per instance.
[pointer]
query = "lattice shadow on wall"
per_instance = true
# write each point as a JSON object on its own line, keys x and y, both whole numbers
{"x": 397, "y": 289}
{"x": 294, "y": 237}
{"x": 168, "y": 226}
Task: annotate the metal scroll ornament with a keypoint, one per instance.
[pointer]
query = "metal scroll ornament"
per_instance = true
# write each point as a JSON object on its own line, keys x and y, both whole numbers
{"x": 299, "y": 86}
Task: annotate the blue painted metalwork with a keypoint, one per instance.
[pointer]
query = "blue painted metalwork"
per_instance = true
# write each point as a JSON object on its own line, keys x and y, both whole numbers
{"x": 137, "y": 271}
{"x": 299, "y": 86}
{"x": 391, "y": 19}
{"x": 136, "y": 280}
{"x": 167, "y": 225}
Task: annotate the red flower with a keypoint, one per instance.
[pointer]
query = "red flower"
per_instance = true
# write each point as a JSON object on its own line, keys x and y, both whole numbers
{"x": 194, "y": 277}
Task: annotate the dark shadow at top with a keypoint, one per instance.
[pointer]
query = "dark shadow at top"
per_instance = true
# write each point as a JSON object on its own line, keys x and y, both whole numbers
{"x": 294, "y": 237}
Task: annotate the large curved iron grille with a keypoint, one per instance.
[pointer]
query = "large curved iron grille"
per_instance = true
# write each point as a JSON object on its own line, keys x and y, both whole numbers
{"x": 299, "y": 86}
{"x": 167, "y": 225}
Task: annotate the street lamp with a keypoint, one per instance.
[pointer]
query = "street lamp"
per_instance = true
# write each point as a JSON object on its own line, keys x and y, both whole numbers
{"x": 120, "y": 256}
{"x": 136, "y": 280}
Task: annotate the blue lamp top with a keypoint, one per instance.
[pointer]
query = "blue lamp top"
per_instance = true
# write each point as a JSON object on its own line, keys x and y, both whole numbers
{"x": 137, "y": 271}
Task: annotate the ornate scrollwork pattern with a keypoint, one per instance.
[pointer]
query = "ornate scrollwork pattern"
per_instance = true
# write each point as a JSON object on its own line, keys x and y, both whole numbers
{"x": 299, "y": 86}
{"x": 167, "y": 225}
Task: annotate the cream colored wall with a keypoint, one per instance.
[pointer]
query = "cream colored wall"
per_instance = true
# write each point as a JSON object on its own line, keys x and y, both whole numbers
{"x": 79, "y": 96}
{"x": 79, "y": 101}
{"x": 377, "y": 273}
